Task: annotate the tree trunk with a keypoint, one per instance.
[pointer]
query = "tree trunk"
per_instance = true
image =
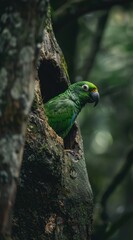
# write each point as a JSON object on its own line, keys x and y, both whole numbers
{"x": 19, "y": 36}
{"x": 54, "y": 197}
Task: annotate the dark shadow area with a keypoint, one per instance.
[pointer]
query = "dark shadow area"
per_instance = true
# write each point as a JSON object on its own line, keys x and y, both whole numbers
{"x": 69, "y": 140}
{"x": 52, "y": 82}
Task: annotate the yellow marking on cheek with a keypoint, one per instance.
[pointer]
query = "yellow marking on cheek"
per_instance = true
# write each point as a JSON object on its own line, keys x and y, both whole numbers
{"x": 94, "y": 90}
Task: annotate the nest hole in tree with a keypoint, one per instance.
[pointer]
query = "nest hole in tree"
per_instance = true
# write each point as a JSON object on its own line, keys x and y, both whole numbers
{"x": 52, "y": 83}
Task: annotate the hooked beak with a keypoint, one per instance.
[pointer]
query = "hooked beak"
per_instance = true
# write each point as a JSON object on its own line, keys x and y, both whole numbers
{"x": 95, "y": 97}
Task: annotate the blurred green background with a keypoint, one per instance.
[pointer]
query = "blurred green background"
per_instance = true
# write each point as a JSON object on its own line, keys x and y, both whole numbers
{"x": 98, "y": 47}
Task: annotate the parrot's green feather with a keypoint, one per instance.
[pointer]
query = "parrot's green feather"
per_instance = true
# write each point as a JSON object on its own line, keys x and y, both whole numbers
{"x": 60, "y": 115}
{"x": 63, "y": 109}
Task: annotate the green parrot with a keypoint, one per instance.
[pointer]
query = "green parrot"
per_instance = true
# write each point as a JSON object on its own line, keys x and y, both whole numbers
{"x": 63, "y": 109}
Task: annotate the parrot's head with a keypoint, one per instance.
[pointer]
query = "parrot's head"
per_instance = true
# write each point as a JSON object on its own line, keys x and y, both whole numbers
{"x": 87, "y": 92}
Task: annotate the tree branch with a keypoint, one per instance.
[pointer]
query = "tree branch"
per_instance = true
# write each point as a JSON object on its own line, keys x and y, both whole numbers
{"x": 72, "y": 10}
{"x": 105, "y": 231}
{"x": 127, "y": 216}
{"x": 95, "y": 45}
{"x": 115, "y": 182}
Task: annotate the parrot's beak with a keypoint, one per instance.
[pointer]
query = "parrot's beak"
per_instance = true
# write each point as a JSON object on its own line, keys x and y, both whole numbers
{"x": 95, "y": 97}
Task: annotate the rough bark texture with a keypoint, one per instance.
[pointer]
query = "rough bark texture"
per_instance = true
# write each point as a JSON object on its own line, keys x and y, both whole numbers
{"x": 54, "y": 199}
{"x": 19, "y": 35}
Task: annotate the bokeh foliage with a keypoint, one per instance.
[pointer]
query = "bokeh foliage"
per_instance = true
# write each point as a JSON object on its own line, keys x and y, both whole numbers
{"x": 107, "y": 130}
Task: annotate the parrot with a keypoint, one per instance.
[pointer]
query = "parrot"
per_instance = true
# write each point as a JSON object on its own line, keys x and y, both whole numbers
{"x": 63, "y": 109}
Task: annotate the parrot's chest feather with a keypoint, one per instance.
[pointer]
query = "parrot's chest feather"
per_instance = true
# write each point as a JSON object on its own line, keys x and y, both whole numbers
{"x": 62, "y": 114}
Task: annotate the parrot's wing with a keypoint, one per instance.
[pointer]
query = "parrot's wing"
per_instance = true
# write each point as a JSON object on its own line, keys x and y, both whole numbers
{"x": 61, "y": 115}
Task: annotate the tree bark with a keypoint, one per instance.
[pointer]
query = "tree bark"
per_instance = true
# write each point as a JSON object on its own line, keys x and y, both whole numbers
{"x": 54, "y": 197}
{"x": 19, "y": 37}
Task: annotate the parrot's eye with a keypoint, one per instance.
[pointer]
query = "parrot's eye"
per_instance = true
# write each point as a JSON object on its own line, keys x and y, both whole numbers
{"x": 85, "y": 87}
